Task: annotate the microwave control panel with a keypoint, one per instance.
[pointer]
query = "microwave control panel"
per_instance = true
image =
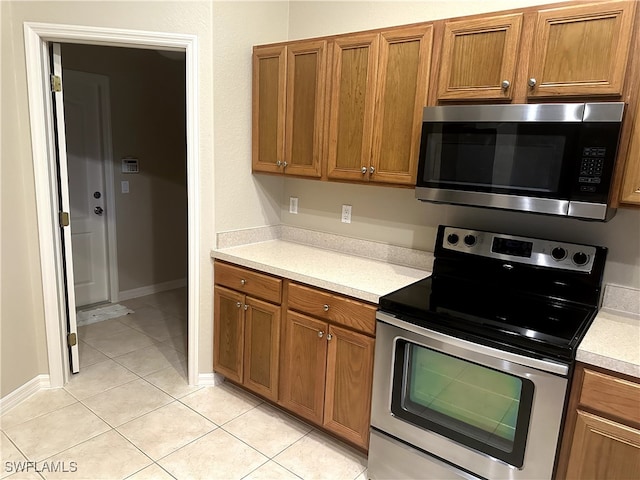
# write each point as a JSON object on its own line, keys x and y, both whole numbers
{"x": 591, "y": 168}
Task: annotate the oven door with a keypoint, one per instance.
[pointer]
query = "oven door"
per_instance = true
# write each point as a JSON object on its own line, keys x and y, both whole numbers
{"x": 492, "y": 413}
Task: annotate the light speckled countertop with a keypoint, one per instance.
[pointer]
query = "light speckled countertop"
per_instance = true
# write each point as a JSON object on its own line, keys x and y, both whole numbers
{"x": 351, "y": 275}
{"x": 613, "y": 342}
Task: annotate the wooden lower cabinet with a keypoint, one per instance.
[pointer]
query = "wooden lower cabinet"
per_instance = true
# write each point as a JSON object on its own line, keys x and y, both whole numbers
{"x": 304, "y": 366}
{"x": 602, "y": 432}
{"x": 312, "y": 355}
{"x": 348, "y": 385}
{"x": 246, "y": 341}
{"x": 603, "y": 449}
{"x": 327, "y": 370}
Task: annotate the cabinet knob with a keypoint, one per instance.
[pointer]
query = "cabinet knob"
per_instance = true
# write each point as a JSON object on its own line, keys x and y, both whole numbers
{"x": 238, "y": 304}
{"x": 325, "y": 307}
{"x": 329, "y": 337}
{"x": 279, "y": 163}
{"x": 285, "y": 164}
{"x": 320, "y": 334}
{"x": 364, "y": 170}
{"x": 243, "y": 282}
{"x": 246, "y": 307}
{"x": 506, "y": 84}
{"x": 372, "y": 170}
{"x": 532, "y": 82}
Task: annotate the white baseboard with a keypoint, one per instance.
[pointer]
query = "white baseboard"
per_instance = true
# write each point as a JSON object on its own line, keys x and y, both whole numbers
{"x": 150, "y": 289}
{"x": 210, "y": 379}
{"x": 20, "y": 394}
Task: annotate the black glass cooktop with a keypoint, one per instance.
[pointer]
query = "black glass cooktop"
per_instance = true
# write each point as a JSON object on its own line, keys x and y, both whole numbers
{"x": 499, "y": 316}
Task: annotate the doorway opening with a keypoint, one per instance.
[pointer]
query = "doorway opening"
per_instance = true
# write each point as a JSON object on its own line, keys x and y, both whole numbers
{"x": 127, "y": 179}
{"x": 38, "y": 37}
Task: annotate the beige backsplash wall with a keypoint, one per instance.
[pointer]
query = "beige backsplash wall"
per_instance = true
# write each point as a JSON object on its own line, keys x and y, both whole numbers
{"x": 392, "y": 215}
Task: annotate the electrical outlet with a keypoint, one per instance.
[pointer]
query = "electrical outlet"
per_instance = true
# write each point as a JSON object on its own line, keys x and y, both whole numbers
{"x": 346, "y": 213}
{"x": 293, "y": 205}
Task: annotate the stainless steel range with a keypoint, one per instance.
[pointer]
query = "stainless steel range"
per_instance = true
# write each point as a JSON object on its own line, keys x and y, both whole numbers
{"x": 472, "y": 365}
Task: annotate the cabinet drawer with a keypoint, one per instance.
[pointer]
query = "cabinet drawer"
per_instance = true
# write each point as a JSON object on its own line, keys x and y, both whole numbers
{"x": 247, "y": 281}
{"x": 611, "y": 395}
{"x": 332, "y": 307}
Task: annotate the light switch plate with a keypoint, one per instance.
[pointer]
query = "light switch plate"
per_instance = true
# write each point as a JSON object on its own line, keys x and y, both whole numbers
{"x": 293, "y": 205}
{"x": 346, "y": 213}
{"x": 124, "y": 185}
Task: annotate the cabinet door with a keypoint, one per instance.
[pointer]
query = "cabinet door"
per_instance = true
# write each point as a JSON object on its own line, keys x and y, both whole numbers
{"x": 603, "y": 449}
{"x": 261, "y": 347}
{"x": 349, "y": 381}
{"x": 304, "y": 364}
{"x": 403, "y": 72}
{"x": 268, "y": 121}
{"x": 479, "y": 58}
{"x": 228, "y": 333}
{"x": 581, "y": 50}
{"x": 353, "y": 84}
{"x": 631, "y": 184}
{"x": 306, "y": 79}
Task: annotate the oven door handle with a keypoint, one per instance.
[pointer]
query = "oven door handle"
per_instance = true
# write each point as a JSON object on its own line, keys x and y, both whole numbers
{"x": 544, "y": 365}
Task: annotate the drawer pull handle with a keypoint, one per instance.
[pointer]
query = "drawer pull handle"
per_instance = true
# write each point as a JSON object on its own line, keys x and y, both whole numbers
{"x": 243, "y": 282}
{"x": 325, "y": 307}
{"x": 329, "y": 337}
{"x": 320, "y": 334}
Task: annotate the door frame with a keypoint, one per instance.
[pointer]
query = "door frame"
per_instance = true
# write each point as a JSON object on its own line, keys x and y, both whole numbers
{"x": 107, "y": 166}
{"x": 37, "y": 37}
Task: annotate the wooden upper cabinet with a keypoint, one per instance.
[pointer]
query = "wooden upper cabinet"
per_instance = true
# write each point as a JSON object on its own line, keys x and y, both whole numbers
{"x": 288, "y": 107}
{"x": 478, "y": 58}
{"x": 403, "y": 74}
{"x": 630, "y": 192}
{"x": 306, "y": 74}
{"x": 268, "y": 120}
{"x": 581, "y": 50}
{"x": 353, "y": 82}
{"x": 378, "y": 90}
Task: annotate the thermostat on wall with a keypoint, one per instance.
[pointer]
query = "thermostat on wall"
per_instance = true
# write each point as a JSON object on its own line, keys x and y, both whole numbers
{"x": 130, "y": 165}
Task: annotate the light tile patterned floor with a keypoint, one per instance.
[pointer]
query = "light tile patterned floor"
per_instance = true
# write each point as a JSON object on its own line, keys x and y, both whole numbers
{"x": 130, "y": 413}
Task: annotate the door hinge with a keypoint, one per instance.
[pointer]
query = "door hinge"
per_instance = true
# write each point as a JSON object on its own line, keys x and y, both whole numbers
{"x": 72, "y": 339}
{"x": 56, "y": 83}
{"x": 64, "y": 219}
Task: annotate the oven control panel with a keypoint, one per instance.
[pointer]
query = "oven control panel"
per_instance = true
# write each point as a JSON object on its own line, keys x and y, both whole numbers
{"x": 531, "y": 251}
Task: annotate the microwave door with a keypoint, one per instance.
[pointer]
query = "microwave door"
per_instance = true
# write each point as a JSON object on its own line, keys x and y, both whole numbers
{"x": 503, "y": 165}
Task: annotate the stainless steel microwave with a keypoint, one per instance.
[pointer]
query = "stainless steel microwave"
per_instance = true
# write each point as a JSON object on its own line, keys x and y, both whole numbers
{"x": 554, "y": 159}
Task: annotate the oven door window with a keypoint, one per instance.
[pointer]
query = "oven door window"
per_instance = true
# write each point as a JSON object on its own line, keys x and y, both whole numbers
{"x": 508, "y": 158}
{"x": 482, "y": 408}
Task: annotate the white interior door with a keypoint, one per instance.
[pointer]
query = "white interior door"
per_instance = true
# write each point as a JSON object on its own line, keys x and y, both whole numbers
{"x": 87, "y": 194}
{"x": 63, "y": 186}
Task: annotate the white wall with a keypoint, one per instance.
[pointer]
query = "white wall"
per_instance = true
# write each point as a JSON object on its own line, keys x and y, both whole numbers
{"x": 392, "y": 215}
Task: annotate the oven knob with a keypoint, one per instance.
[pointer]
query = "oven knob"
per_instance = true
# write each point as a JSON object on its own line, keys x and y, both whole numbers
{"x": 559, "y": 253}
{"x": 469, "y": 240}
{"x": 580, "y": 258}
{"x": 453, "y": 238}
